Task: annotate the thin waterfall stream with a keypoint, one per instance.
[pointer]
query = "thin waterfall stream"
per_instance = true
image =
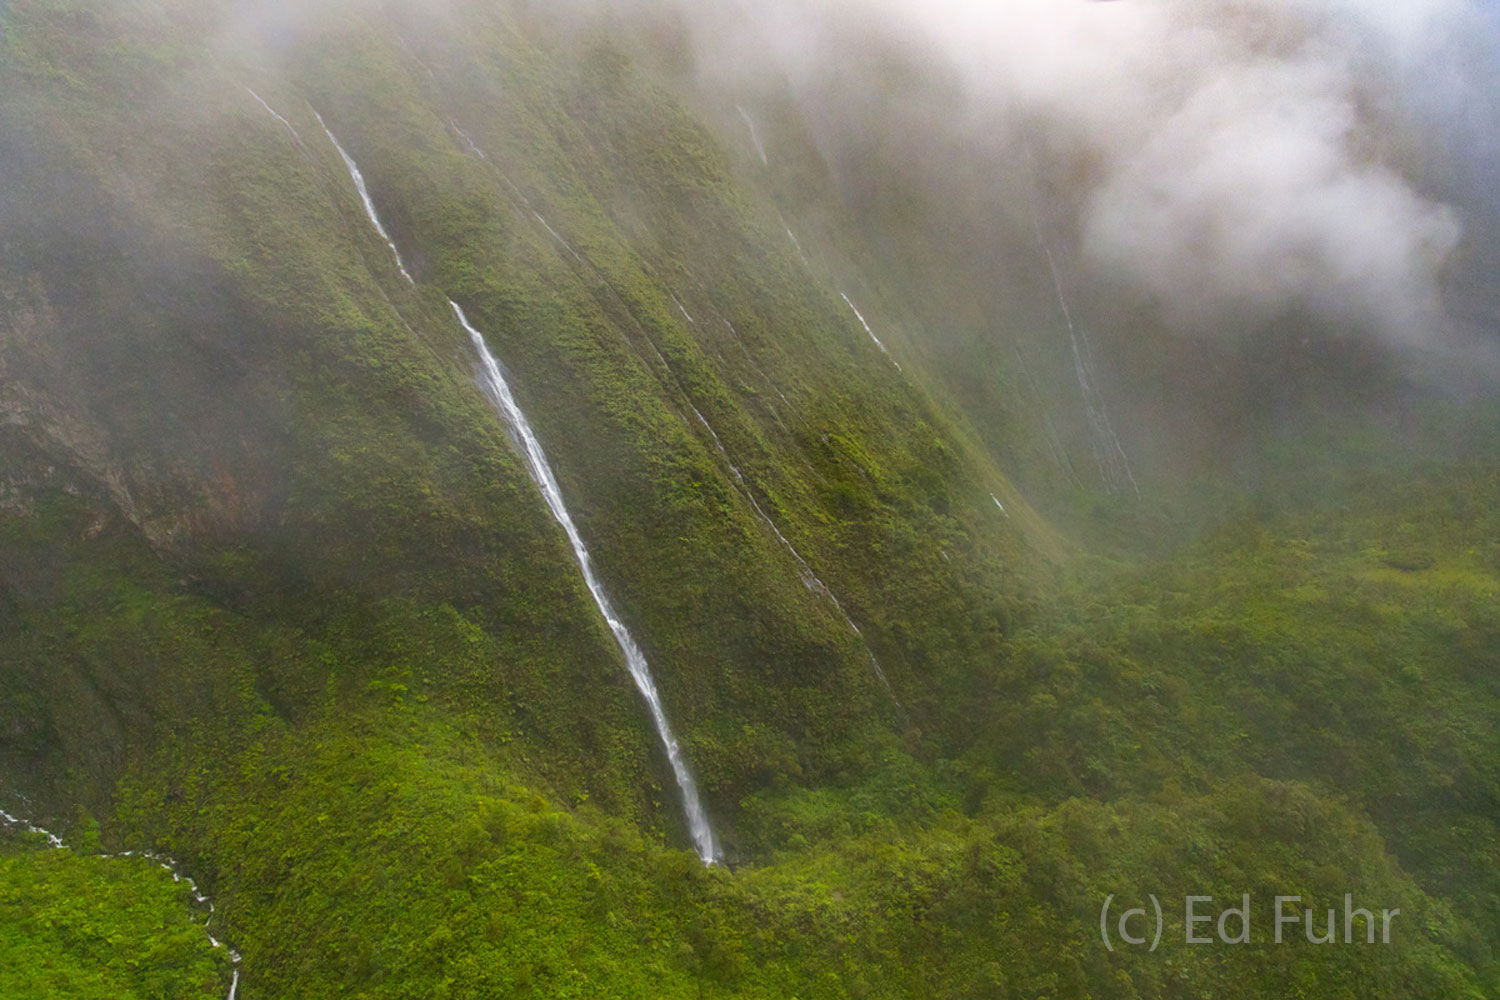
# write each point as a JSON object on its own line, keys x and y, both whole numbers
{"x": 809, "y": 578}
{"x": 495, "y": 386}
{"x": 1109, "y": 454}
{"x": 862, "y": 322}
{"x": 56, "y": 843}
{"x": 365, "y": 199}
{"x": 493, "y": 381}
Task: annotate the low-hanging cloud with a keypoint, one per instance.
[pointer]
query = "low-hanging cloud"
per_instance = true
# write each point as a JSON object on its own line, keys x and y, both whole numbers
{"x": 1251, "y": 195}
{"x": 1238, "y": 153}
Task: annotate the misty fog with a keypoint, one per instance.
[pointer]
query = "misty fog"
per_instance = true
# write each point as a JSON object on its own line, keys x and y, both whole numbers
{"x": 1238, "y": 160}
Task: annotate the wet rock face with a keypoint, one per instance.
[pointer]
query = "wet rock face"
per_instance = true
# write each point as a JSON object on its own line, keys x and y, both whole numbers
{"x": 36, "y": 408}
{"x": 166, "y": 437}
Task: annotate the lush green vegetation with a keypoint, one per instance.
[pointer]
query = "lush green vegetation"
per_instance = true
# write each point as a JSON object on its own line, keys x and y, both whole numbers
{"x": 277, "y": 596}
{"x": 90, "y": 928}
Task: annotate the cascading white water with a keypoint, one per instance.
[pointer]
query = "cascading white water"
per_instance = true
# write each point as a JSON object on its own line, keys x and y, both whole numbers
{"x": 275, "y": 114}
{"x": 364, "y": 197}
{"x": 796, "y": 243}
{"x": 1109, "y": 454}
{"x": 809, "y": 578}
{"x": 499, "y": 392}
{"x": 754, "y": 135}
{"x": 56, "y": 843}
{"x": 683, "y": 309}
{"x": 861, "y": 317}
{"x": 536, "y": 464}
{"x": 467, "y": 140}
{"x": 558, "y": 237}
{"x": 53, "y": 840}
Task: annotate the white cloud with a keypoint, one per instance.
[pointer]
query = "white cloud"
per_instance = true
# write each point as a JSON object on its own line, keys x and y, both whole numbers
{"x": 1230, "y": 145}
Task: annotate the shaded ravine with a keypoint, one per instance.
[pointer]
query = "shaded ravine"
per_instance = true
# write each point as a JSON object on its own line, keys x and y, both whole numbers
{"x": 499, "y": 393}
{"x": 495, "y": 386}
{"x": 56, "y": 843}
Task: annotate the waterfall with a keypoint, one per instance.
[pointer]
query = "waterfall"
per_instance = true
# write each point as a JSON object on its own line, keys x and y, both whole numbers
{"x": 494, "y": 384}
{"x": 1109, "y": 455}
{"x": 795, "y": 242}
{"x": 558, "y": 237}
{"x": 470, "y": 145}
{"x": 275, "y": 114}
{"x": 364, "y": 197}
{"x": 810, "y": 579}
{"x": 682, "y": 309}
{"x": 499, "y": 392}
{"x": 56, "y": 843}
{"x": 467, "y": 140}
{"x": 861, "y": 317}
{"x": 53, "y": 840}
{"x": 754, "y": 135}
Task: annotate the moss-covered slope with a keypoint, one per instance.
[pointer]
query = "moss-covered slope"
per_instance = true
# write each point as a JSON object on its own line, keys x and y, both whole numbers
{"x": 278, "y": 595}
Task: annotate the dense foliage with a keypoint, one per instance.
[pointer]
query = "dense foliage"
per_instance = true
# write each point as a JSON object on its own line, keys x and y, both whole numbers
{"x": 279, "y": 599}
{"x": 90, "y": 928}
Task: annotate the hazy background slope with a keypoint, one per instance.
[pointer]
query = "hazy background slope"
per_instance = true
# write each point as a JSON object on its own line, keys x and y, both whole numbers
{"x": 1205, "y": 231}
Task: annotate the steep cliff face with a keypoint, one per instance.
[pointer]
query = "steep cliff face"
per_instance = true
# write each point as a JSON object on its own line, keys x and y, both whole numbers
{"x": 281, "y": 596}
{"x": 202, "y": 324}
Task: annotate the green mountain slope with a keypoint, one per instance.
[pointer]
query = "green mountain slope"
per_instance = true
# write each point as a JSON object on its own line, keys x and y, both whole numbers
{"x": 279, "y": 598}
{"x": 81, "y": 925}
